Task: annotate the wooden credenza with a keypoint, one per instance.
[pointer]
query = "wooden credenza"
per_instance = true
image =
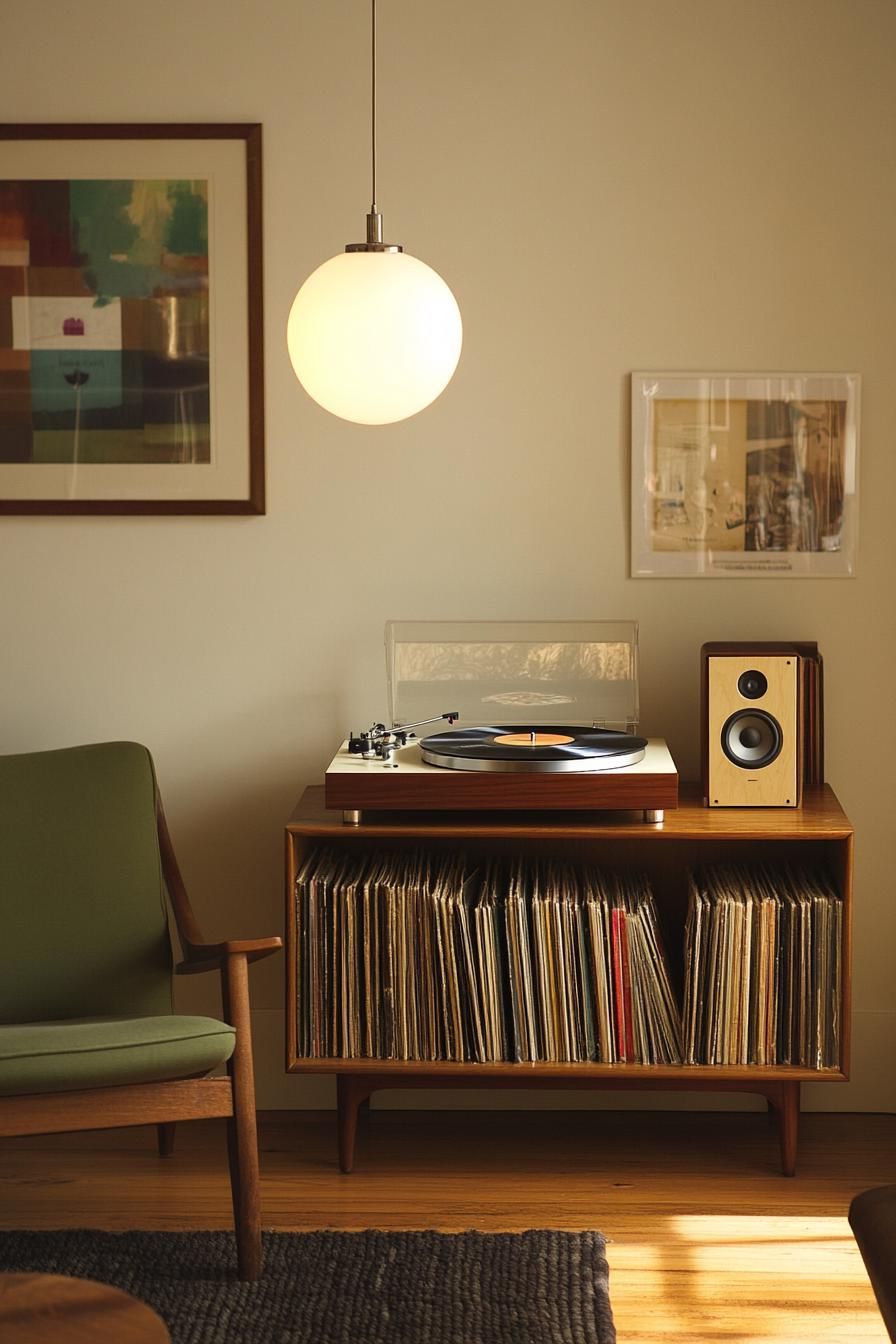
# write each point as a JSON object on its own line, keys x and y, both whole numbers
{"x": 816, "y": 834}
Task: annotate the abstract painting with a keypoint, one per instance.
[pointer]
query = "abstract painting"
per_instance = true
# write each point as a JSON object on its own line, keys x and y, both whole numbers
{"x": 118, "y": 388}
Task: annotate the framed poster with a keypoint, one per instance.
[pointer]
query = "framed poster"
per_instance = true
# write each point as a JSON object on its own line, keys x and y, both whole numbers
{"x": 744, "y": 475}
{"x": 131, "y": 364}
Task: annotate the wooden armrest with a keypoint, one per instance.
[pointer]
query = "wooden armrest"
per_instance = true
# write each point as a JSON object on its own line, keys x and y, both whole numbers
{"x": 212, "y": 956}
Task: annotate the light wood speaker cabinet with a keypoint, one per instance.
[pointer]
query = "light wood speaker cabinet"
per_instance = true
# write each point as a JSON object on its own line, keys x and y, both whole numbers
{"x": 752, "y": 728}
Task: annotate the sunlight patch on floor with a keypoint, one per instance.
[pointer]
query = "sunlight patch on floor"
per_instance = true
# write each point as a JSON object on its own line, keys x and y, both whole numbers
{"x": 745, "y": 1279}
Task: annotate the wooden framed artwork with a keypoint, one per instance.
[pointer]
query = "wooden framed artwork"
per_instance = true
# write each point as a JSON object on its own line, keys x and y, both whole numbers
{"x": 749, "y": 475}
{"x": 131, "y": 360}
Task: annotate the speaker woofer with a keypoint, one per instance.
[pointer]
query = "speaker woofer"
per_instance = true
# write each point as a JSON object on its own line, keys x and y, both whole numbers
{"x": 751, "y": 739}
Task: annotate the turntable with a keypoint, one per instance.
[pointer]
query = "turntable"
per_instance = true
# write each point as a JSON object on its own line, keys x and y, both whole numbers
{"x": 546, "y": 719}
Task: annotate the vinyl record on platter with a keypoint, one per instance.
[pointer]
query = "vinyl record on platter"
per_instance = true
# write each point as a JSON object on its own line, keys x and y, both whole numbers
{"x": 546, "y": 749}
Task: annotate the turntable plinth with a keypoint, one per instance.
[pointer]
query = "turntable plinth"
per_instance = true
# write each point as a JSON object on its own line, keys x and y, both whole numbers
{"x": 355, "y": 785}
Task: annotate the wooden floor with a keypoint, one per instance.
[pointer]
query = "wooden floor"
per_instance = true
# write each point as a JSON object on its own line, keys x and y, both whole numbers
{"x": 706, "y": 1240}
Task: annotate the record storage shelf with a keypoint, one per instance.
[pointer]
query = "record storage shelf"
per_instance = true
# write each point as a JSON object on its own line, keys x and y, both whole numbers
{"x": 692, "y": 834}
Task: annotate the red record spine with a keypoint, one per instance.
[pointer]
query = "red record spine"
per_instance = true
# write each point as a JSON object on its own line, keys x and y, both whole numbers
{"x": 625, "y": 1045}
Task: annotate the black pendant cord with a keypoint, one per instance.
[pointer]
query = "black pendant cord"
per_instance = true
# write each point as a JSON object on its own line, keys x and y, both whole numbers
{"x": 374, "y": 241}
{"x": 373, "y": 104}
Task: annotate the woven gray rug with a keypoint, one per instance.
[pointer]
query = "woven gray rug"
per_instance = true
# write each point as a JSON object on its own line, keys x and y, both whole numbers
{"x": 347, "y": 1287}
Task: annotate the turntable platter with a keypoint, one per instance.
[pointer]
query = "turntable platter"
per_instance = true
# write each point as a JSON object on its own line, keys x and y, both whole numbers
{"x": 543, "y": 749}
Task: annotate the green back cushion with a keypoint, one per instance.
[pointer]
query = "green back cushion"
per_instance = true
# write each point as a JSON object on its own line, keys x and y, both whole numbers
{"x": 84, "y": 929}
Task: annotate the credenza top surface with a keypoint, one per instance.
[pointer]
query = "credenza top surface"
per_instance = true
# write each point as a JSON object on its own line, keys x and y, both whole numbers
{"x": 819, "y": 817}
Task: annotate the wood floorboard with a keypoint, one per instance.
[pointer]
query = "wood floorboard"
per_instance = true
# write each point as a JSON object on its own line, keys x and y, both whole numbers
{"x": 706, "y": 1240}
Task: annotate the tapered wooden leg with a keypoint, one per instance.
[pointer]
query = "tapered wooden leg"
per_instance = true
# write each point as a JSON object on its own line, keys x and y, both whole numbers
{"x": 351, "y": 1095}
{"x": 788, "y": 1126}
{"x": 166, "y": 1138}
{"x": 242, "y": 1135}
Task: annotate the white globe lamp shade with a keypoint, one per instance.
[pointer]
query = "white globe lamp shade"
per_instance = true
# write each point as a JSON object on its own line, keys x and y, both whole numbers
{"x": 374, "y": 337}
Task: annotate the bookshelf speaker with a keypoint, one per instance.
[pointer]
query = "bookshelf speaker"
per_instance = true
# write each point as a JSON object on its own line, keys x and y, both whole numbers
{"x": 752, "y": 753}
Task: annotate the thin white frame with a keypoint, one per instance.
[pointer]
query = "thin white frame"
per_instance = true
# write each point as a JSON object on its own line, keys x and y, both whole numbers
{"x": 705, "y": 511}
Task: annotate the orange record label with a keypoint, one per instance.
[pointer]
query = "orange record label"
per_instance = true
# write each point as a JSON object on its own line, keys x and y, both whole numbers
{"x": 533, "y": 739}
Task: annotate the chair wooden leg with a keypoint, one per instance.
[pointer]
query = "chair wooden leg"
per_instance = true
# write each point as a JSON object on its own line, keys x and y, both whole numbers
{"x": 242, "y": 1135}
{"x": 166, "y": 1138}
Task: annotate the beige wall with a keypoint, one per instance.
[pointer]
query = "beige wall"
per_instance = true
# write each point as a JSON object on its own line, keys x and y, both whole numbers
{"x": 607, "y": 185}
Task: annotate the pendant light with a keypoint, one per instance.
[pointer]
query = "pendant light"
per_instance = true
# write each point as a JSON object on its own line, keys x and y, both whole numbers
{"x": 374, "y": 335}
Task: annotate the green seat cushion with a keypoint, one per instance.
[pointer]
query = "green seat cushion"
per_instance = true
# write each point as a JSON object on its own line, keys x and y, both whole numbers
{"x": 109, "y": 1052}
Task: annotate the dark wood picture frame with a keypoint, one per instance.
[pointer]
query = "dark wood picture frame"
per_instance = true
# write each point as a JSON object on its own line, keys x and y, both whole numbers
{"x": 246, "y": 451}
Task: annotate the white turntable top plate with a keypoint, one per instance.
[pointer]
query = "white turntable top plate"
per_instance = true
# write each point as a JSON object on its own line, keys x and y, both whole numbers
{"x": 657, "y": 761}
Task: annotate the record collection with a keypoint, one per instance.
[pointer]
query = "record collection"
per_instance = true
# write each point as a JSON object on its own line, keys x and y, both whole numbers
{"x": 762, "y": 968}
{"x": 415, "y": 956}
{"x": 426, "y": 956}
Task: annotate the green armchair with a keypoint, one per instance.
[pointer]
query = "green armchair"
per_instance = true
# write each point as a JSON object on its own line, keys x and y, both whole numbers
{"x": 88, "y": 1036}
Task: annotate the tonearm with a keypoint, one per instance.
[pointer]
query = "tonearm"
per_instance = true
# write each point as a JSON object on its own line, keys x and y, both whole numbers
{"x": 380, "y": 742}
